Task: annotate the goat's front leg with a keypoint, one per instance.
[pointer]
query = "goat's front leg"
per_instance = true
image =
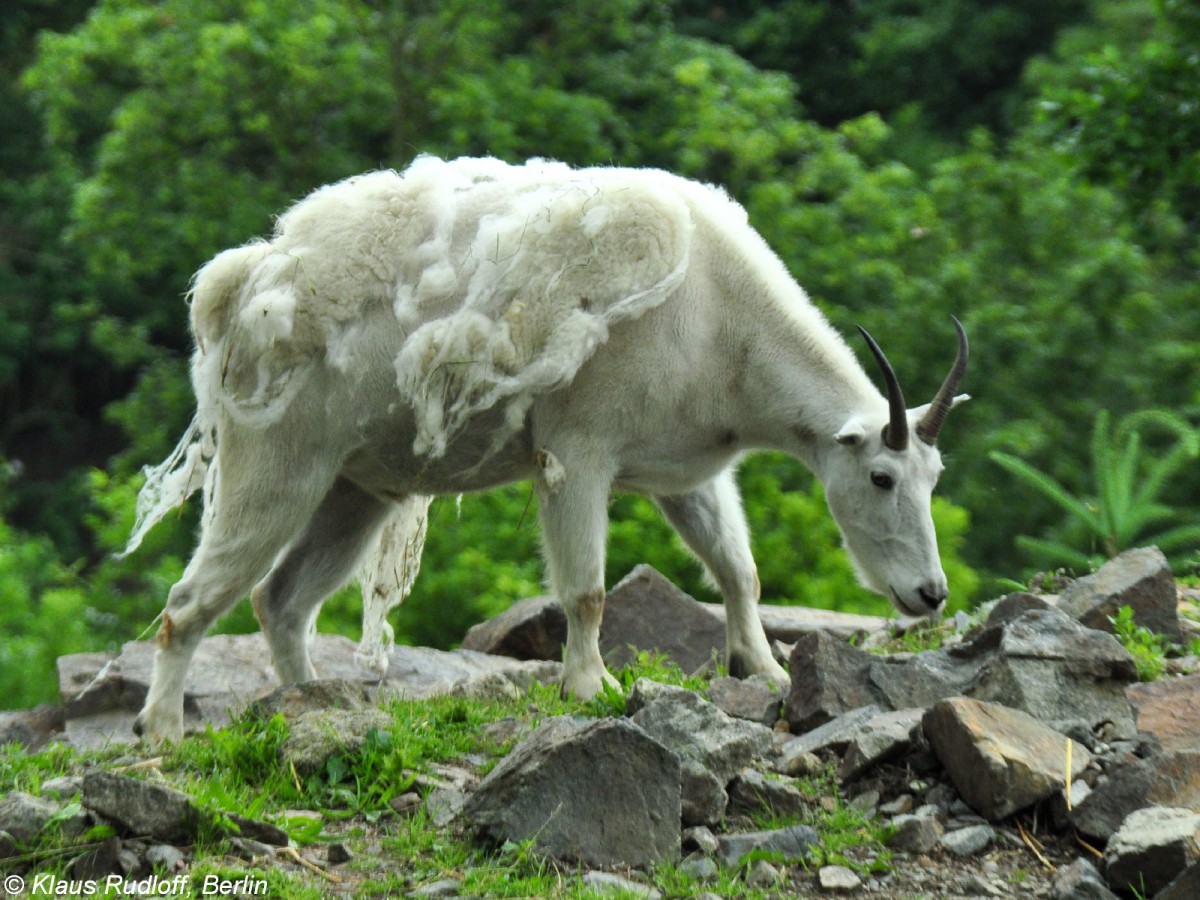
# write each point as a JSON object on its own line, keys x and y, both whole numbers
{"x": 574, "y": 517}
{"x": 711, "y": 522}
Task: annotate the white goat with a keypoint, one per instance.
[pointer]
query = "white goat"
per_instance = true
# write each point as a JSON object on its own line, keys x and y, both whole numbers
{"x": 470, "y": 323}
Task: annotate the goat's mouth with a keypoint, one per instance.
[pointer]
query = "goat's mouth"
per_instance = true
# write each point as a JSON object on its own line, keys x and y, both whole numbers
{"x": 923, "y": 610}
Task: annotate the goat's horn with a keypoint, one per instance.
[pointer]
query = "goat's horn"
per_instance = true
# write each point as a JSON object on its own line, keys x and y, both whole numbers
{"x": 895, "y": 433}
{"x": 931, "y": 423}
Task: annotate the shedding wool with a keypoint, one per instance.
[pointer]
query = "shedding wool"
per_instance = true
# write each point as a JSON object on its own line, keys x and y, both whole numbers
{"x": 505, "y": 278}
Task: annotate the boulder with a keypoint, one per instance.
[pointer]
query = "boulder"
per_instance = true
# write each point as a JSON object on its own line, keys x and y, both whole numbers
{"x": 602, "y": 793}
{"x": 32, "y": 728}
{"x": 316, "y": 736}
{"x": 1000, "y": 759}
{"x": 535, "y": 628}
{"x": 1169, "y": 709}
{"x": 1140, "y": 579}
{"x": 754, "y": 698}
{"x": 23, "y": 815}
{"x": 829, "y": 677}
{"x": 879, "y": 739}
{"x": 695, "y": 729}
{"x": 1152, "y": 848}
{"x": 141, "y": 807}
{"x": 1185, "y": 887}
{"x": 796, "y": 842}
{"x": 1080, "y": 881}
{"x": 1169, "y": 779}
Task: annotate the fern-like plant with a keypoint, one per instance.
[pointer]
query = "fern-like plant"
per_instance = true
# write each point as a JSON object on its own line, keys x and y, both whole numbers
{"x": 1126, "y": 508}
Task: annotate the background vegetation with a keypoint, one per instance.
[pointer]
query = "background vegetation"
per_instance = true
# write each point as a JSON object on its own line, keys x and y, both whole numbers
{"x": 1033, "y": 168}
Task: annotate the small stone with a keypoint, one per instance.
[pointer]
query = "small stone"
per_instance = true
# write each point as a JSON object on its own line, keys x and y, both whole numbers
{"x": 406, "y": 804}
{"x": 899, "y": 806}
{"x": 838, "y": 878}
{"x": 338, "y": 853}
{"x": 166, "y": 858}
{"x": 700, "y": 867}
{"x": 446, "y": 887}
{"x": 1079, "y": 881}
{"x": 250, "y": 849}
{"x": 699, "y": 838}
{"x": 762, "y": 874}
{"x": 915, "y": 834}
{"x": 968, "y": 841}
{"x": 609, "y": 883}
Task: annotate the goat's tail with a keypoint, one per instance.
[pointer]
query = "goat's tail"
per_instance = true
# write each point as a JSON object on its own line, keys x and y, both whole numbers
{"x": 191, "y": 465}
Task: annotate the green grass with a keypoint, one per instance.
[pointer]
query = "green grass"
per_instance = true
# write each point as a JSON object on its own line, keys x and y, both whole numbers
{"x": 238, "y": 768}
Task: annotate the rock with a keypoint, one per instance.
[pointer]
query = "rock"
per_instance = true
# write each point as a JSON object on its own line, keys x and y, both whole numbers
{"x": 835, "y": 736}
{"x": 23, "y": 815}
{"x": 754, "y": 698}
{"x": 1185, "y": 887}
{"x": 699, "y": 867}
{"x": 968, "y": 841}
{"x": 703, "y": 797}
{"x": 261, "y": 832}
{"x": 699, "y": 838}
{"x": 879, "y": 739}
{"x": 166, "y": 858}
{"x": 33, "y": 728}
{"x": 535, "y": 628}
{"x": 1169, "y": 779}
{"x": 318, "y": 735}
{"x": 915, "y": 834}
{"x": 838, "y": 878}
{"x": 1000, "y": 759}
{"x": 922, "y": 679}
{"x": 445, "y": 887}
{"x": 1010, "y": 606}
{"x": 762, "y": 874}
{"x": 645, "y": 611}
{"x": 751, "y": 792}
{"x": 646, "y": 691}
{"x": 337, "y": 854}
{"x": 829, "y": 679}
{"x": 292, "y": 700}
{"x": 1050, "y": 666}
{"x": 250, "y": 849}
{"x": 1152, "y": 848}
{"x": 794, "y": 843}
{"x": 102, "y": 693}
{"x": 1079, "y": 881}
{"x": 601, "y": 793}
{"x": 1140, "y": 579}
{"x": 609, "y": 883}
{"x": 141, "y": 807}
{"x": 1169, "y": 709}
{"x": 693, "y": 728}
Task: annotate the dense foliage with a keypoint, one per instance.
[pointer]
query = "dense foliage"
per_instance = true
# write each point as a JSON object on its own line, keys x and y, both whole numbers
{"x": 1030, "y": 168}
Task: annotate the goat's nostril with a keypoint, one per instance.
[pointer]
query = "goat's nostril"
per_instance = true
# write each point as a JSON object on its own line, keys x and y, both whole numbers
{"x": 933, "y": 598}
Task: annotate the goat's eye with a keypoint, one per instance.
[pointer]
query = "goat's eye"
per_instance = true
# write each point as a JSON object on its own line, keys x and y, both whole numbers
{"x": 882, "y": 480}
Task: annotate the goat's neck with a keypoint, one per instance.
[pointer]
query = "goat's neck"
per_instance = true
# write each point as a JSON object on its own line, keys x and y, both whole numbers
{"x": 803, "y": 383}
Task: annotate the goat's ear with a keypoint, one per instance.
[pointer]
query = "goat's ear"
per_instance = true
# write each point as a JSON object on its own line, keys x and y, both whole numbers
{"x": 852, "y": 433}
{"x": 919, "y": 412}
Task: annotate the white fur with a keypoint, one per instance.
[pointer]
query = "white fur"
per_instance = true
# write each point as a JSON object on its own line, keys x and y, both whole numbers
{"x": 469, "y": 323}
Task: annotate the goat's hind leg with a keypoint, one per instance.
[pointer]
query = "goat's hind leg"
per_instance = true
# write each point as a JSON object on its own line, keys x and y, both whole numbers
{"x": 711, "y": 522}
{"x": 242, "y": 536}
{"x": 322, "y": 559}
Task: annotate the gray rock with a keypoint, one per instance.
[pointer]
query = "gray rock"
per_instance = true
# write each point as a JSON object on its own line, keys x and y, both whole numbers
{"x": 23, "y": 815}
{"x": 535, "y": 628}
{"x": 968, "y": 841}
{"x": 762, "y": 874}
{"x": 610, "y": 883}
{"x": 318, "y": 735}
{"x": 751, "y": 792}
{"x": 445, "y": 887}
{"x": 250, "y": 849}
{"x": 794, "y": 843}
{"x": 1140, "y": 579}
{"x": 693, "y": 728}
{"x": 1079, "y": 881}
{"x": 879, "y": 739}
{"x": 1000, "y": 759}
{"x": 1152, "y": 848}
{"x": 141, "y": 807}
{"x": 754, "y": 698}
{"x": 829, "y": 679}
{"x": 1169, "y": 779}
{"x": 33, "y": 728}
{"x": 835, "y": 735}
{"x": 292, "y": 700}
{"x": 166, "y": 858}
{"x": 699, "y": 867}
{"x": 920, "y": 680}
{"x": 646, "y": 691}
{"x": 1185, "y": 887}
{"x": 838, "y": 878}
{"x": 699, "y": 838}
{"x": 703, "y": 796}
{"x": 62, "y": 787}
{"x": 1010, "y": 606}
{"x": 601, "y": 793}
{"x": 645, "y": 611}
{"x": 915, "y": 834}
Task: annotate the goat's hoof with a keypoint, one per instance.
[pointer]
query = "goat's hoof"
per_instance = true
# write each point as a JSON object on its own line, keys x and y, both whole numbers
{"x": 154, "y": 731}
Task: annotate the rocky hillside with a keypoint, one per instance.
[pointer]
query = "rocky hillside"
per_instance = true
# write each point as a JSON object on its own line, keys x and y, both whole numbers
{"x": 1021, "y": 756}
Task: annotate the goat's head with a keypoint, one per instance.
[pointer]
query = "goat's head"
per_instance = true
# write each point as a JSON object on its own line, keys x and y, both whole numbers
{"x": 879, "y": 484}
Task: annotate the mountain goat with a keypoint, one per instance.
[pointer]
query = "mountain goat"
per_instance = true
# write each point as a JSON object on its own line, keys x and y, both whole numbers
{"x": 469, "y": 323}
